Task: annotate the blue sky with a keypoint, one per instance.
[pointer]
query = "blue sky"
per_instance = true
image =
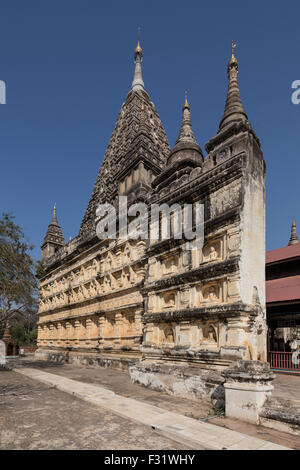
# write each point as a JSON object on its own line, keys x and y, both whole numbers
{"x": 68, "y": 66}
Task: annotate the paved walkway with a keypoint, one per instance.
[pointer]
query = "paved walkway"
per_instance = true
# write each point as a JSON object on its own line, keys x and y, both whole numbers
{"x": 182, "y": 429}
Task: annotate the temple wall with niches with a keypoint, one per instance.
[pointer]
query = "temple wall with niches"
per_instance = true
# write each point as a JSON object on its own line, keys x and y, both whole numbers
{"x": 74, "y": 301}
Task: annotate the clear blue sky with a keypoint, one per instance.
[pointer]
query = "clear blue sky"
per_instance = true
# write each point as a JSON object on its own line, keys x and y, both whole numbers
{"x": 68, "y": 66}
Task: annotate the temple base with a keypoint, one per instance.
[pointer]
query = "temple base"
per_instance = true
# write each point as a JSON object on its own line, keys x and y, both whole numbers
{"x": 181, "y": 380}
{"x": 88, "y": 358}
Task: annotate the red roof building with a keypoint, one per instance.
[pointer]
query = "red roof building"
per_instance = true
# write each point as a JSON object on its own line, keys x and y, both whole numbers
{"x": 283, "y": 296}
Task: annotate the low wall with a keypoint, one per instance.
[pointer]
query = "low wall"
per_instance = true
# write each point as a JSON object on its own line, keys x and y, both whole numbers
{"x": 28, "y": 349}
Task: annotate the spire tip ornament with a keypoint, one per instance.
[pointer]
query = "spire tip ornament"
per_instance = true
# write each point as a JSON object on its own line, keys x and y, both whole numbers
{"x": 233, "y": 59}
{"x": 186, "y": 104}
{"x": 138, "y": 83}
{"x": 138, "y": 49}
{"x": 54, "y": 218}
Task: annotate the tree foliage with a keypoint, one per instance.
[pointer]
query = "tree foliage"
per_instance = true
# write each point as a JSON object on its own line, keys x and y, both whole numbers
{"x": 18, "y": 283}
{"x": 23, "y": 335}
{"x": 40, "y": 270}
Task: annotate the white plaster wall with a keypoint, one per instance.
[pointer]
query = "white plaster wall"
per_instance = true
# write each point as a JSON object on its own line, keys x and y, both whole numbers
{"x": 253, "y": 242}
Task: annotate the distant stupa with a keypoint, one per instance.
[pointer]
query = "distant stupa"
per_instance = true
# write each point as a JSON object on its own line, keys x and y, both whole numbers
{"x": 294, "y": 237}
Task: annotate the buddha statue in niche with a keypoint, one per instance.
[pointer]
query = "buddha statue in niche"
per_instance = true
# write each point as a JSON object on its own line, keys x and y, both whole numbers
{"x": 211, "y": 253}
{"x": 127, "y": 255}
{"x": 210, "y": 336}
{"x": 168, "y": 335}
{"x": 170, "y": 265}
{"x": 93, "y": 289}
{"x": 109, "y": 264}
{"x": 94, "y": 268}
{"x": 107, "y": 283}
{"x": 125, "y": 278}
{"x": 211, "y": 294}
{"x": 169, "y": 301}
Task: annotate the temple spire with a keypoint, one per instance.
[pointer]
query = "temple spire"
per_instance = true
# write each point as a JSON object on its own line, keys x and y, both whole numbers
{"x": 186, "y": 147}
{"x": 54, "y": 238}
{"x": 234, "y": 110}
{"x": 186, "y": 133}
{"x": 138, "y": 83}
{"x": 294, "y": 240}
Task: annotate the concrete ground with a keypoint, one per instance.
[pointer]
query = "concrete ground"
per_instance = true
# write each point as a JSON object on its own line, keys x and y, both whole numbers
{"x": 287, "y": 387}
{"x": 35, "y": 416}
{"x": 118, "y": 382}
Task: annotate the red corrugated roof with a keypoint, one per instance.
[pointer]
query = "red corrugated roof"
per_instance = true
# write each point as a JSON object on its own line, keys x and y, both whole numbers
{"x": 283, "y": 253}
{"x": 280, "y": 290}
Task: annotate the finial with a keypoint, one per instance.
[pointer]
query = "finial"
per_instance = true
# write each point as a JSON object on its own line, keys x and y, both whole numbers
{"x": 233, "y": 59}
{"x": 233, "y": 46}
{"x": 138, "y": 49}
{"x": 138, "y": 83}
{"x": 186, "y": 104}
{"x": 54, "y": 219}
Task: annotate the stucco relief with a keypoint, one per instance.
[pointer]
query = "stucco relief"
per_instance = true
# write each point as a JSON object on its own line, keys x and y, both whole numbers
{"x": 225, "y": 198}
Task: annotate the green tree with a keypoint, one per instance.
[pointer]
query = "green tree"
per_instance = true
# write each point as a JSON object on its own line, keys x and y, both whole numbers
{"x": 23, "y": 336}
{"x": 19, "y": 334}
{"x": 18, "y": 282}
{"x": 40, "y": 270}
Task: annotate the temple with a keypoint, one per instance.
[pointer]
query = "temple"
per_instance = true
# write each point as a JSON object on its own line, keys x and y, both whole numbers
{"x": 154, "y": 305}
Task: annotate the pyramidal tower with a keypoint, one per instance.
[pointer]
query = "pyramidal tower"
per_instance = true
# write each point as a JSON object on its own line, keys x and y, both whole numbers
{"x": 131, "y": 154}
